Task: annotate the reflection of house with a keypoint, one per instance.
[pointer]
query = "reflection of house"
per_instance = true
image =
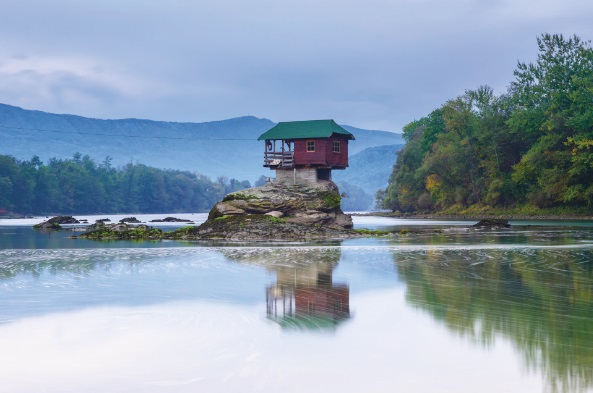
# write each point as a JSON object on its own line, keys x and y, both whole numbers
{"x": 304, "y": 296}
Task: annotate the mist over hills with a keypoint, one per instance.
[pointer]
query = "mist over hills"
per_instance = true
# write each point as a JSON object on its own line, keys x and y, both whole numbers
{"x": 219, "y": 148}
{"x": 369, "y": 169}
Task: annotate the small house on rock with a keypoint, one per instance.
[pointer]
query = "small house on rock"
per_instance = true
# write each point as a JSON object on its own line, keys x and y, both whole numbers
{"x": 306, "y": 151}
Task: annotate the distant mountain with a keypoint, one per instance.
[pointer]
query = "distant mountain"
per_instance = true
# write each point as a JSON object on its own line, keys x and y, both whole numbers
{"x": 371, "y": 138}
{"x": 220, "y": 148}
{"x": 369, "y": 169}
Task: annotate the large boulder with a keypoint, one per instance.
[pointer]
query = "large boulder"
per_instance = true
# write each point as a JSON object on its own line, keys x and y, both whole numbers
{"x": 304, "y": 204}
{"x": 276, "y": 211}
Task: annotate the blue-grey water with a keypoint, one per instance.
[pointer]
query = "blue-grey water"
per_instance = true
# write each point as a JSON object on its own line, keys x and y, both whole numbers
{"x": 458, "y": 310}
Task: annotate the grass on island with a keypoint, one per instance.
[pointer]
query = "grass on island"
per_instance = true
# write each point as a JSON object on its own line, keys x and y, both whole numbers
{"x": 134, "y": 233}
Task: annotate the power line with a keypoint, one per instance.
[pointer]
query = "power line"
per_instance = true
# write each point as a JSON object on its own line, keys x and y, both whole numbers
{"x": 125, "y": 136}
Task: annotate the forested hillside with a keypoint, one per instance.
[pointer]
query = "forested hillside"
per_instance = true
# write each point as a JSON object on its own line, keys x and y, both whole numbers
{"x": 526, "y": 149}
{"x": 81, "y": 186}
{"x": 219, "y": 148}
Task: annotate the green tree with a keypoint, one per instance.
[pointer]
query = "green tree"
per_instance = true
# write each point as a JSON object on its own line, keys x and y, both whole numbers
{"x": 532, "y": 145}
{"x": 550, "y": 110}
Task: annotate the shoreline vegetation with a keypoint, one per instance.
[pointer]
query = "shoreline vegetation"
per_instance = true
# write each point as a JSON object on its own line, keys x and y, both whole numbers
{"x": 508, "y": 215}
{"x": 525, "y": 153}
{"x": 81, "y": 185}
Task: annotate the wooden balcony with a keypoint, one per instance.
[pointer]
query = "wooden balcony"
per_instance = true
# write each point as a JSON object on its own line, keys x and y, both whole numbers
{"x": 278, "y": 159}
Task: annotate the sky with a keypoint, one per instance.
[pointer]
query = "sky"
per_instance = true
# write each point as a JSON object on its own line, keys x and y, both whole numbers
{"x": 375, "y": 64}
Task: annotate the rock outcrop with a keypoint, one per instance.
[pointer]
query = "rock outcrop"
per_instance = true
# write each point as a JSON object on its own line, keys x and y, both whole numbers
{"x": 56, "y": 222}
{"x": 130, "y": 220}
{"x": 275, "y": 211}
{"x": 171, "y": 219}
{"x": 492, "y": 223}
{"x": 100, "y": 230}
{"x": 46, "y": 225}
{"x": 63, "y": 220}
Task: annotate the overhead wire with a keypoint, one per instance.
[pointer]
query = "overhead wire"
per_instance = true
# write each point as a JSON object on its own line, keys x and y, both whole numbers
{"x": 126, "y": 136}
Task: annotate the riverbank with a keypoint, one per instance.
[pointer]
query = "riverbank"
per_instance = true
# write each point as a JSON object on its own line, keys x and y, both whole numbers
{"x": 542, "y": 215}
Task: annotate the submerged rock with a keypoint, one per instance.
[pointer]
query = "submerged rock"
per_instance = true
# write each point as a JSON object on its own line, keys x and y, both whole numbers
{"x": 492, "y": 223}
{"x": 56, "y": 222}
{"x": 171, "y": 219}
{"x": 275, "y": 211}
{"x": 132, "y": 220}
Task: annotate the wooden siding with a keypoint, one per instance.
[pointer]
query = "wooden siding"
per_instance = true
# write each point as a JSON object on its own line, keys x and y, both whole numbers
{"x": 337, "y": 159}
{"x": 323, "y": 154}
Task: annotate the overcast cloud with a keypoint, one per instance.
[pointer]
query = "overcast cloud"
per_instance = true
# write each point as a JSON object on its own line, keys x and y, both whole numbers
{"x": 373, "y": 64}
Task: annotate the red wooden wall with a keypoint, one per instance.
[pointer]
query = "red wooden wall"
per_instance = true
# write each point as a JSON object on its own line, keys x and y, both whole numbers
{"x": 323, "y": 154}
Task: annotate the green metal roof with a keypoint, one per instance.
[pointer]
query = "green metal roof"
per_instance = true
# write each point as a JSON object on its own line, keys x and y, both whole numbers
{"x": 304, "y": 130}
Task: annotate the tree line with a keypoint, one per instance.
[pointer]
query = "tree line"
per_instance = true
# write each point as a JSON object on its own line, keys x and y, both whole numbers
{"x": 528, "y": 148}
{"x": 81, "y": 186}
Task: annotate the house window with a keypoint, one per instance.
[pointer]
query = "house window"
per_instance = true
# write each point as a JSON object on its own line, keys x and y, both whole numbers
{"x": 336, "y": 146}
{"x": 311, "y": 307}
{"x": 310, "y": 145}
{"x": 337, "y": 305}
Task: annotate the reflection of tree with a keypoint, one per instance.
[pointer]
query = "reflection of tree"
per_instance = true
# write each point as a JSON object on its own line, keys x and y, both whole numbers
{"x": 542, "y": 300}
{"x": 304, "y": 295}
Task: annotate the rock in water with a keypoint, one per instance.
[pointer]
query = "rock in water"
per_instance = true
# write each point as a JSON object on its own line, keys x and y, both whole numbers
{"x": 55, "y": 222}
{"x": 275, "y": 211}
{"x": 100, "y": 230}
{"x": 492, "y": 223}
{"x": 45, "y": 225}
{"x": 63, "y": 220}
{"x": 171, "y": 219}
{"x": 132, "y": 220}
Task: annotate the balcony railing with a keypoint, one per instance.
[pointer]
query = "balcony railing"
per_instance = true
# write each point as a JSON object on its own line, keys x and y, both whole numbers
{"x": 279, "y": 159}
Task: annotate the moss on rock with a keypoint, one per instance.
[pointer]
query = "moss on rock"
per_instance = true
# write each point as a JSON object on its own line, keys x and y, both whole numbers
{"x": 123, "y": 232}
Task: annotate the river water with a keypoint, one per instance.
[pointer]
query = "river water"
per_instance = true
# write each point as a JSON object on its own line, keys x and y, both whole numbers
{"x": 456, "y": 311}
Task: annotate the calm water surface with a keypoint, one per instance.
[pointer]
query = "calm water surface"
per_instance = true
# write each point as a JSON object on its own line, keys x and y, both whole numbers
{"x": 456, "y": 311}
